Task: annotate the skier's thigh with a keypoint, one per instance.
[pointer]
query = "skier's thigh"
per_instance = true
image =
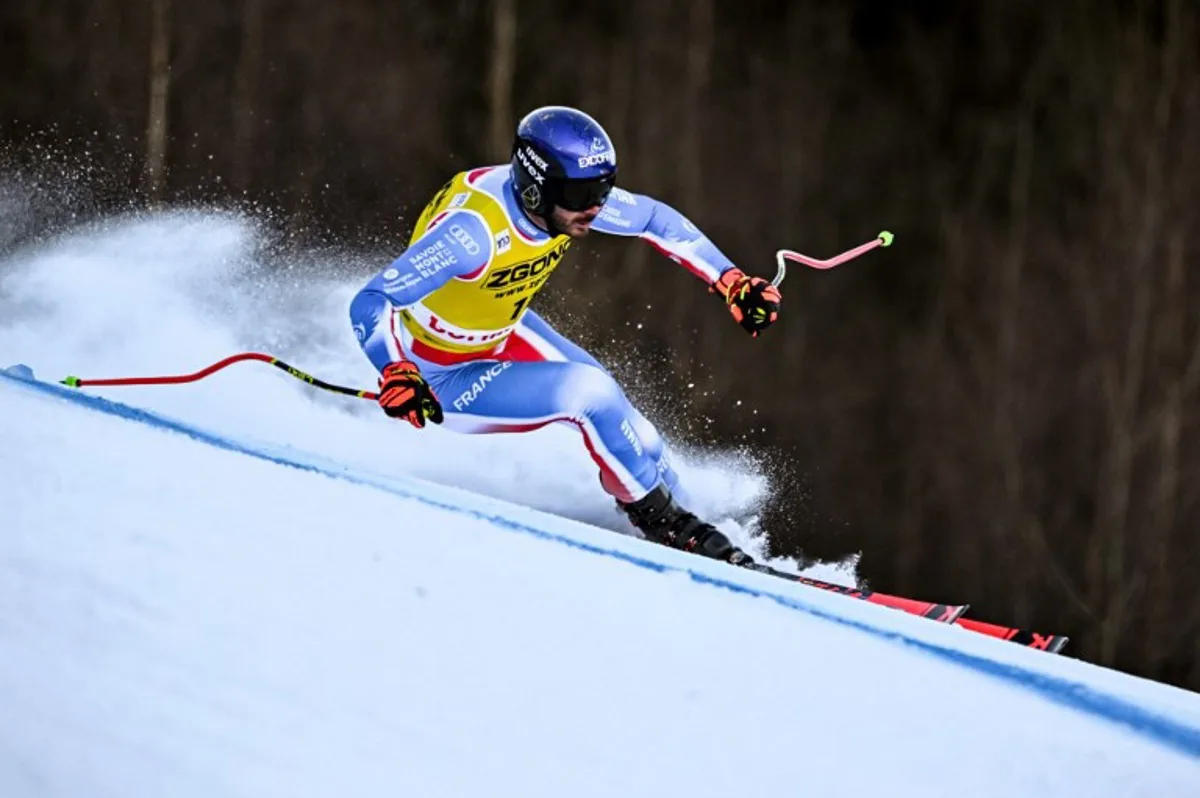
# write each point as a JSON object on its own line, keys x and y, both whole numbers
{"x": 524, "y": 392}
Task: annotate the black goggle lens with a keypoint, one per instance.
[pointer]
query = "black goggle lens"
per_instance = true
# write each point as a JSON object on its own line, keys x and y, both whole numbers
{"x": 579, "y": 195}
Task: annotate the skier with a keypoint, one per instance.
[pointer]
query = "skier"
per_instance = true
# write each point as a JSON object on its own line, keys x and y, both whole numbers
{"x": 449, "y": 327}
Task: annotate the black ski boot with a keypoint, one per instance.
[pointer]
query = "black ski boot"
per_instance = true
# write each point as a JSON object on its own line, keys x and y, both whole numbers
{"x": 663, "y": 521}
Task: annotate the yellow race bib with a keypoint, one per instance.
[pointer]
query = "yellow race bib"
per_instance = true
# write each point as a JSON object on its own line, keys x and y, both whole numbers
{"x": 475, "y": 313}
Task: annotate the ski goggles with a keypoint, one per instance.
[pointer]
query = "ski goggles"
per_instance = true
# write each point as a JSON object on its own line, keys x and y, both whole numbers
{"x": 579, "y": 195}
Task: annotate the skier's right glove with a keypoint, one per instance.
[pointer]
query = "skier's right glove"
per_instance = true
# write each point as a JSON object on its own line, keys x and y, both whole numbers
{"x": 403, "y": 393}
{"x": 753, "y": 301}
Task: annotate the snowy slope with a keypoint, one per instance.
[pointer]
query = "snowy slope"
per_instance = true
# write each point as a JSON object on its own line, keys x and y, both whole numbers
{"x": 184, "y": 618}
{"x": 173, "y": 292}
{"x": 244, "y": 588}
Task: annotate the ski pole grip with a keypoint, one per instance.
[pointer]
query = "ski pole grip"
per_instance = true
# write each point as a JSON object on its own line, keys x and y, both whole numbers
{"x": 780, "y": 270}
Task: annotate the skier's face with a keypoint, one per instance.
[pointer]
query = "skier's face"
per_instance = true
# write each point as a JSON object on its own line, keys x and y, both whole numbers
{"x": 576, "y": 224}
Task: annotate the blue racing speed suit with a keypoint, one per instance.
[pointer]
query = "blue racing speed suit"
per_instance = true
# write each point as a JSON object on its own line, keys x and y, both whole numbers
{"x": 456, "y": 304}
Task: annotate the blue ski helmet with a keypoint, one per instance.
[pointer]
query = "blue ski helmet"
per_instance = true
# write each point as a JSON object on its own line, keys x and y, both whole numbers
{"x": 562, "y": 157}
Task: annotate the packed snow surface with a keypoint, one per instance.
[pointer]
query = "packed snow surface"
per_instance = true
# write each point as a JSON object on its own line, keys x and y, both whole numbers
{"x": 243, "y": 587}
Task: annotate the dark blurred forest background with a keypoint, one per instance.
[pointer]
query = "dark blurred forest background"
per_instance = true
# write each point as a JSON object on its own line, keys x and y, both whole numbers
{"x": 999, "y": 409}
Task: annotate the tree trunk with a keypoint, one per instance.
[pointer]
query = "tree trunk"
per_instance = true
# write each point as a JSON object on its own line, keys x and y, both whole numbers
{"x": 160, "y": 84}
{"x": 245, "y": 94}
{"x": 1161, "y": 629}
{"x": 500, "y": 78}
{"x": 699, "y": 65}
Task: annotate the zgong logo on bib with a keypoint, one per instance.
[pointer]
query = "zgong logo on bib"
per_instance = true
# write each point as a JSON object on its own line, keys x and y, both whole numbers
{"x": 511, "y": 275}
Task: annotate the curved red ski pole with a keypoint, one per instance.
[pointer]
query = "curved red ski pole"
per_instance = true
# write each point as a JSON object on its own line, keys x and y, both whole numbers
{"x": 176, "y": 379}
{"x": 884, "y": 239}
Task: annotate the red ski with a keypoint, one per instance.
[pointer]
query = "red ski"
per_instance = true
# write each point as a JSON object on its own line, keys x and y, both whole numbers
{"x": 942, "y": 613}
{"x": 1051, "y": 643}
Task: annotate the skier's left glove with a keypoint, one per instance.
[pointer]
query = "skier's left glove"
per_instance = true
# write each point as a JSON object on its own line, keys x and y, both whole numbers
{"x": 753, "y": 301}
{"x": 403, "y": 393}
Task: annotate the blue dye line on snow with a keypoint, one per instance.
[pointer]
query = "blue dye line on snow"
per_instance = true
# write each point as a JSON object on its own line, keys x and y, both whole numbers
{"x": 1076, "y": 695}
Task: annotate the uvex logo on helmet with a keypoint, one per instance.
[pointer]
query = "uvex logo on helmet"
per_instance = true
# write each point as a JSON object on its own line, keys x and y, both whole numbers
{"x": 534, "y": 164}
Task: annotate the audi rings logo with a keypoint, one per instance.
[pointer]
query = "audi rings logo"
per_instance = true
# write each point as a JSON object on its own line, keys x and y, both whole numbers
{"x": 464, "y": 238}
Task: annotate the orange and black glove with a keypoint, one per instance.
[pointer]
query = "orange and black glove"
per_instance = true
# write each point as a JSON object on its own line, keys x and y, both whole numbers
{"x": 403, "y": 393}
{"x": 753, "y": 301}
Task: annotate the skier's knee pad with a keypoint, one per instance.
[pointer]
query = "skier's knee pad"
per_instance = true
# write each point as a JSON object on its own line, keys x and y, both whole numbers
{"x": 593, "y": 392}
{"x": 648, "y": 435}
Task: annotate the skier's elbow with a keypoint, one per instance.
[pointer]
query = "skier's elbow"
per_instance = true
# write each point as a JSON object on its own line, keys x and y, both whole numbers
{"x": 367, "y": 310}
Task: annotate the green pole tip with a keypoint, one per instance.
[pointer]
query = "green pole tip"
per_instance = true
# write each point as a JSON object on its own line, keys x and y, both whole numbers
{"x": 72, "y": 382}
{"x": 886, "y": 238}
